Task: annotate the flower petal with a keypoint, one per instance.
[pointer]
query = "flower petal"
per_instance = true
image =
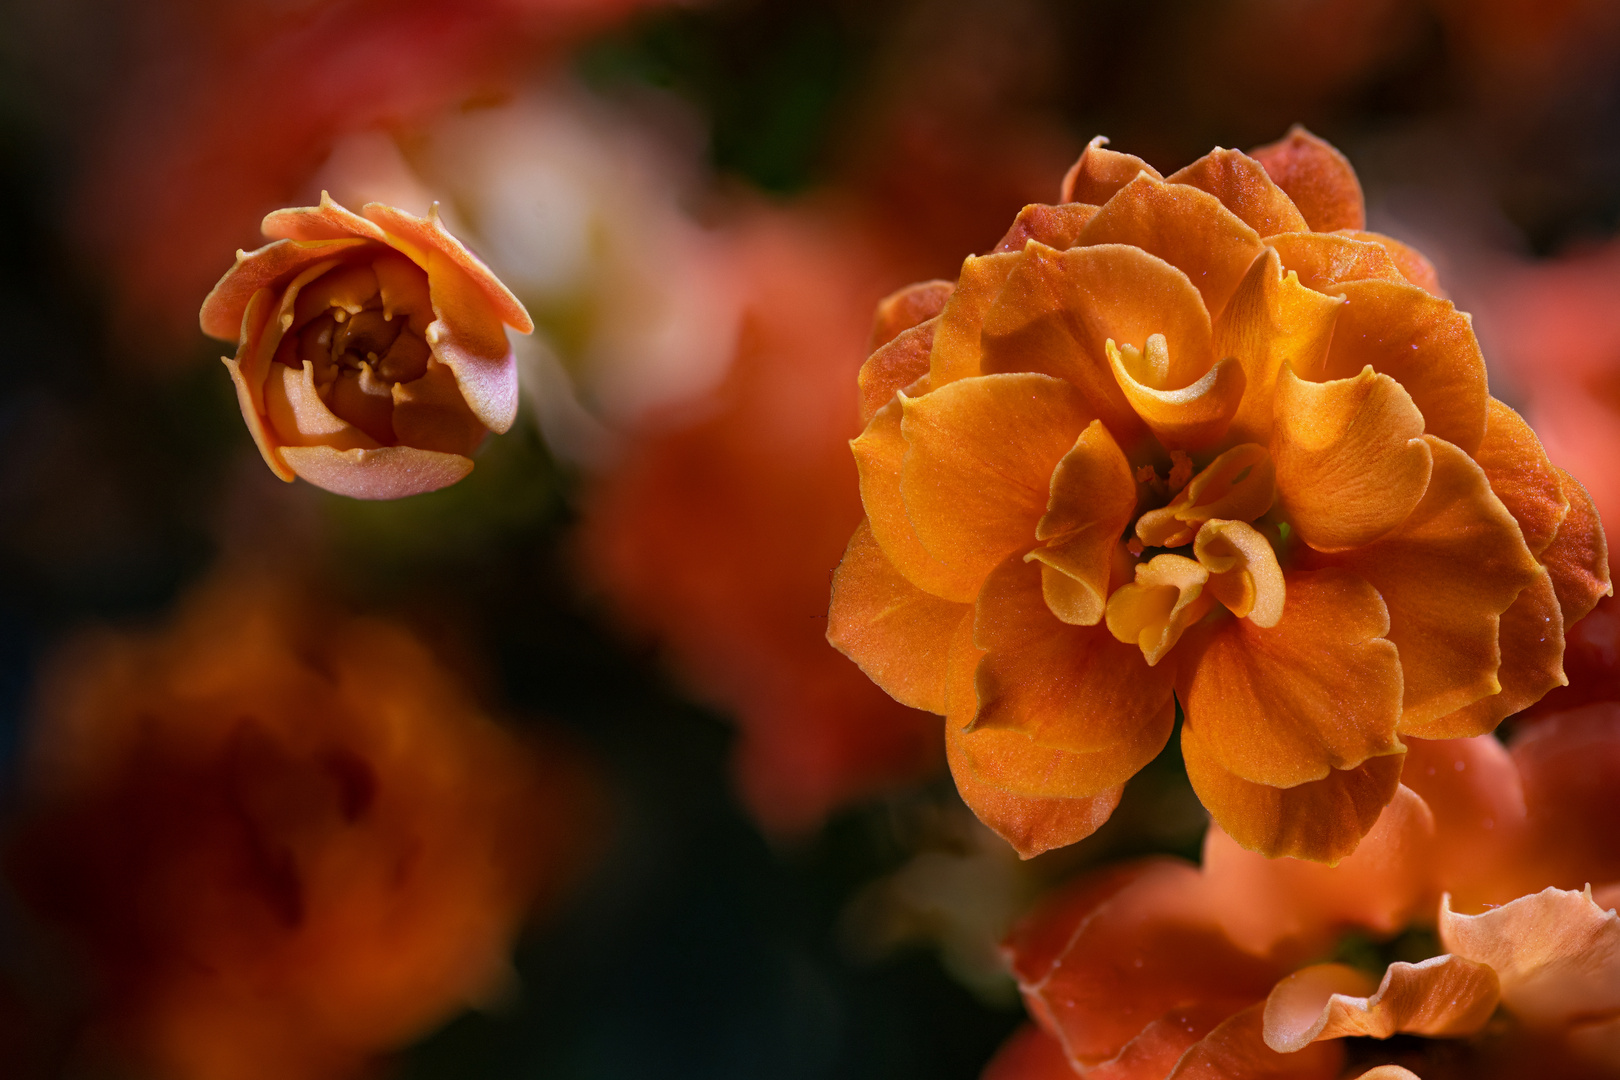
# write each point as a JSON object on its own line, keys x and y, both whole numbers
{"x": 1187, "y": 228}
{"x": 1055, "y": 226}
{"x": 1317, "y": 178}
{"x": 898, "y": 634}
{"x": 1521, "y": 475}
{"x": 1272, "y": 322}
{"x": 1237, "y": 1048}
{"x": 1442, "y": 997}
{"x": 1473, "y": 790}
{"x": 1324, "y": 260}
{"x": 908, "y": 307}
{"x": 1578, "y": 557}
{"x": 1413, "y": 264}
{"x": 1061, "y": 307}
{"x": 1032, "y": 824}
{"x": 1243, "y": 570}
{"x": 1029, "y": 1054}
{"x": 1320, "y": 820}
{"x": 1242, "y": 185}
{"x": 1100, "y": 172}
{"x": 978, "y": 465}
{"x": 430, "y": 413}
{"x": 895, "y": 365}
{"x": 424, "y": 238}
{"x": 389, "y": 472}
{"x": 264, "y": 268}
{"x": 1153, "y": 611}
{"x": 1351, "y": 460}
{"x": 1319, "y": 691}
{"x": 1556, "y": 952}
{"x": 1423, "y": 343}
{"x": 1093, "y": 497}
{"x": 1567, "y": 762}
{"x": 297, "y": 416}
{"x": 956, "y": 351}
{"x": 1072, "y": 690}
{"x": 327, "y": 221}
{"x": 1447, "y": 574}
{"x": 1191, "y": 418}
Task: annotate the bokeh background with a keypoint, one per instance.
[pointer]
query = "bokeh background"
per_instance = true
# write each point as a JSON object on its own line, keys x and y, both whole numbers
{"x": 700, "y": 203}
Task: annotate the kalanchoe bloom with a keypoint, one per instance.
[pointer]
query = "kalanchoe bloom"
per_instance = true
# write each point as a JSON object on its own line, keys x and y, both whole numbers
{"x": 372, "y": 357}
{"x": 282, "y": 838}
{"x": 1157, "y": 969}
{"x": 1202, "y": 440}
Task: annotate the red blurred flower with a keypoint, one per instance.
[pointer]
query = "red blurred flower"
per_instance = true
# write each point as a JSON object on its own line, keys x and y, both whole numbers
{"x": 282, "y": 839}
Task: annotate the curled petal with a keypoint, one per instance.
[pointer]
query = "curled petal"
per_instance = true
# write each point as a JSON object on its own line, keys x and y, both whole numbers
{"x": 1093, "y": 496}
{"x": 1413, "y": 264}
{"x": 978, "y": 464}
{"x": 1320, "y": 691}
{"x": 265, "y": 268}
{"x": 1421, "y": 342}
{"x": 1447, "y": 573}
{"x": 1320, "y": 820}
{"x": 1153, "y": 611}
{"x": 894, "y": 366}
{"x": 1070, "y": 688}
{"x": 1556, "y": 952}
{"x": 299, "y": 417}
{"x": 1317, "y": 178}
{"x": 1578, "y": 556}
{"x": 1059, "y": 309}
{"x": 1442, "y": 997}
{"x": 1351, "y": 460}
{"x": 1272, "y": 322}
{"x": 1100, "y": 172}
{"x": 908, "y": 307}
{"x": 1521, "y": 476}
{"x": 1237, "y": 1048}
{"x": 1187, "y": 228}
{"x": 328, "y": 221}
{"x": 1325, "y": 260}
{"x": 898, "y": 634}
{"x": 1242, "y": 185}
{"x": 1240, "y": 485}
{"x": 427, "y": 241}
{"x": 1190, "y": 418}
{"x": 956, "y": 352}
{"x": 388, "y": 472}
{"x": 1055, "y": 226}
{"x": 1243, "y": 570}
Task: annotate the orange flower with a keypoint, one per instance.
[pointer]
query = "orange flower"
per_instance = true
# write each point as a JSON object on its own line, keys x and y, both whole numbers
{"x": 284, "y": 838}
{"x": 1202, "y": 440}
{"x": 371, "y": 354}
{"x": 1158, "y": 969}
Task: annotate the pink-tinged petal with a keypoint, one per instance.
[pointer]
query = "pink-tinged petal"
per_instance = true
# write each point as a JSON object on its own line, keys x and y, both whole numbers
{"x": 1578, "y": 556}
{"x": 1059, "y": 309}
{"x": 1242, "y": 185}
{"x": 474, "y": 347}
{"x": 256, "y": 423}
{"x": 297, "y": 416}
{"x": 1100, "y": 172}
{"x": 1032, "y": 824}
{"x": 1187, "y": 228}
{"x": 1029, "y": 1054}
{"x": 1271, "y": 322}
{"x": 895, "y": 365}
{"x": 908, "y": 307}
{"x": 1423, "y": 343}
{"x": 1055, "y": 226}
{"x": 268, "y": 267}
{"x": 1326, "y": 260}
{"x": 1317, "y": 178}
{"x": 1388, "y": 1072}
{"x": 1442, "y": 997}
{"x": 390, "y": 472}
{"x": 430, "y": 414}
{"x": 1237, "y": 1048}
{"x": 1568, "y": 762}
{"x": 1318, "y": 692}
{"x": 1413, "y": 264}
{"x": 978, "y": 464}
{"x": 1556, "y": 952}
{"x": 956, "y": 353}
{"x": 898, "y": 634}
{"x": 1473, "y": 790}
{"x": 426, "y": 237}
{"x": 328, "y": 221}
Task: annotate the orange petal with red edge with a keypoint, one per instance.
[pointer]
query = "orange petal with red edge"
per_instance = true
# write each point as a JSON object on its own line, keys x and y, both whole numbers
{"x": 264, "y": 268}
{"x": 1325, "y": 260}
{"x": 908, "y": 307}
{"x": 1055, "y": 226}
{"x": 1556, "y": 952}
{"x": 1412, "y": 263}
{"x": 1351, "y": 460}
{"x": 1066, "y": 690}
{"x": 1191, "y": 418}
{"x": 1447, "y": 574}
{"x": 1317, "y": 178}
{"x": 1421, "y": 342}
{"x": 1521, "y": 475}
{"x": 1237, "y": 1048}
{"x": 894, "y": 366}
{"x": 1187, "y": 228}
{"x": 1242, "y": 185}
{"x": 1272, "y": 322}
{"x": 898, "y": 634}
{"x": 1032, "y": 824}
{"x": 880, "y": 453}
{"x": 978, "y": 465}
{"x": 956, "y": 353}
{"x": 1100, "y": 172}
{"x": 1441, "y": 997}
{"x": 1320, "y": 691}
{"x": 389, "y": 472}
{"x": 1320, "y": 820}
{"x": 1578, "y": 557}
{"x": 1060, "y": 308}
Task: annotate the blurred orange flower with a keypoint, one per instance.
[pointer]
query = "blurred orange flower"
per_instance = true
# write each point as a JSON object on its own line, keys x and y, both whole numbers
{"x": 1157, "y": 969}
{"x": 283, "y": 839}
{"x": 372, "y": 356}
{"x": 1202, "y": 439}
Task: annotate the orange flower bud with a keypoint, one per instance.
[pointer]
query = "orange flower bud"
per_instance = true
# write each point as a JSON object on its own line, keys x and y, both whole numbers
{"x": 371, "y": 356}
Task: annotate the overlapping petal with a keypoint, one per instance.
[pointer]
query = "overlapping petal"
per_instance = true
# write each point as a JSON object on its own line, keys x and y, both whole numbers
{"x": 1100, "y": 172}
{"x": 1317, "y": 178}
{"x": 1444, "y": 996}
{"x": 1244, "y": 187}
{"x": 955, "y": 353}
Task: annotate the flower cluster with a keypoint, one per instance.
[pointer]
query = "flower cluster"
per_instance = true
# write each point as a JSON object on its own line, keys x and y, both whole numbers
{"x": 1202, "y": 440}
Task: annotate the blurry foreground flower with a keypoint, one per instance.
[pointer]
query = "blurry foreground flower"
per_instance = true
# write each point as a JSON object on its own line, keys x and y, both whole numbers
{"x": 1202, "y": 440}
{"x": 283, "y": 840}
{"x": 372, "y": 356}
{"x": 1257, "y": 968}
